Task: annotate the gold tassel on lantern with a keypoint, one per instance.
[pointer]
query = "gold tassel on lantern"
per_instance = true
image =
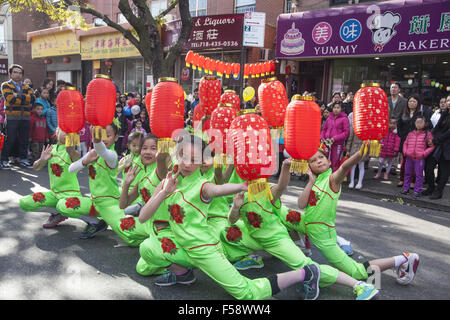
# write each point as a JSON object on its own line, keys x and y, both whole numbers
{"x": 299, "y": 166}
{"x": 220, "y": 160}
{"x": 165, "y": 145}
{"x": 259, "y": 189}
{"x": 99, "y": 132}
{"x": 72, "y": 140}
{"x": 375, "y": 148}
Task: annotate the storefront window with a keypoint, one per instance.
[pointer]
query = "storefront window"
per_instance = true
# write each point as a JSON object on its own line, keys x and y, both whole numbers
{"x": 117, "y": 73}
{"x": 134, "y": 75}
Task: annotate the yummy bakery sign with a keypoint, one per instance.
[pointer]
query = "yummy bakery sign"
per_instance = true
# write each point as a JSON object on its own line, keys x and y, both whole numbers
{"x": 394, "y": 27}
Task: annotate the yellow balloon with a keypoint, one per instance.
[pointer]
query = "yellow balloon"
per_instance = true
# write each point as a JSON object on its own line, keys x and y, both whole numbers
{"x": 248, "y": 93}
{"x": 184, "y": 95}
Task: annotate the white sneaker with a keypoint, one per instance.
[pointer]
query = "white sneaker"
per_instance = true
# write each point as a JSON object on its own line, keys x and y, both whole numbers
{"x": 351, "y": 185}
{"x": 407, "y": 271}
{"x": 358, "y": 186}
{"x": 5, "y": 165}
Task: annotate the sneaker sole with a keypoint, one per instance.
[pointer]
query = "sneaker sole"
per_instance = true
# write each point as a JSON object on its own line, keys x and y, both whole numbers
{"x": 93, "y": 234}
{"x": 47, "y": 226}
{"x": 318, "y": 289}
{"x": 412, "y": 266}
{"x": 187, "y": 282}
{"x": 165, "y": 284}
{"x": 373, "y": 295}
{"x": 251, "y": 267}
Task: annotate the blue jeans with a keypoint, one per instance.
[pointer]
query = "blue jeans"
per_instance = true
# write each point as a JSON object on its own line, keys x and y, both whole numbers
{"x": 17, "y": 131}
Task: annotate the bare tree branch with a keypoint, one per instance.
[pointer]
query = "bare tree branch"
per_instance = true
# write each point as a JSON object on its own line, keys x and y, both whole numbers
{"x": 186, "y": 22}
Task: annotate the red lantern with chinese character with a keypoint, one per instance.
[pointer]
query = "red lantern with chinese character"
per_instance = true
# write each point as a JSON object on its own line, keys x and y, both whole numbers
{"x": 230, "y": 96}
{"x": 254, "y": 157}
{"x": 236, "y": 68}
{"x": 70, "y": 110}
{"x": 371, "y": 115}
{"x": 272, "y": 67}
{"x": 273, "y": 102}
{"x": 221, "y": 119}
{"x": 148, "y": 100}
{"x": 100, "y": 104}
{"x": 166, "y": 111}
{"x": 209, "y": 91}
{"x": 302, "y": 131}
{"x": 189, "y": 58}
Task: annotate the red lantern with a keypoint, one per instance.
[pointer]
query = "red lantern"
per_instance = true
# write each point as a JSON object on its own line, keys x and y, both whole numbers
{"x": 273, "y": 102}
{"x": 197, "y": 118}
{"x": 109, "y": 63}
{"x": 221, "y": 119}
{"x": 254, "y": 157}
{"x": 148, "y": 100}
{"x": 66, "y": 59}
{"x": 100, "y": 104}
{"x": 213, "y": 65}
{"x": 70, "y": 112}
{"x": 246, "y": 70}
{"x": 267, "y": 68}
{"x": 166, "y": 111}
{"x": 230, "y": 96}
{"x": 195, "y": 58}
{"x": 272, "y": 67}
{"x": 209, "y": 91}
{"x": 236, "y": 68}
{"x": 48, "y": 61}
{"x": 371, "y": 115}
{"x": 208, "y": 65}
{"x": 252, "y": 70}
{"x": 228, "y": 69}
{"x": 189, "y": 58}
{"x": 201, "y": 62}
{"x": 302, "y": 131}
{"x": 258, "y": 68}
{"x": 220, "y": 68}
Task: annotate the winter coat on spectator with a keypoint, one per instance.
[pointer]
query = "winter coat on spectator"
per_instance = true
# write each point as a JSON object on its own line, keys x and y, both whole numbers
{"x": 38, "y": 128}
{"x": 353, "y": 144}
{"x": 52, "y": 119}
{"x": 336, "y": 127}
{"x": 391, "y": 145}
{"x": 43, "y": 103}
{"x": 17, "y": 108}
{"x": 2, "y": 111}
{"x": 441, "y": 134}
{"x": 85, "y": 133}
{"x": 415, "y": 146}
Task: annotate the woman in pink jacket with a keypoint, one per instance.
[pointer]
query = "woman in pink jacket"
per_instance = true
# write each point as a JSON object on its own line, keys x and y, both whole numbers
{"x": 415, "y": 150}
{"x": 336, "y": 128}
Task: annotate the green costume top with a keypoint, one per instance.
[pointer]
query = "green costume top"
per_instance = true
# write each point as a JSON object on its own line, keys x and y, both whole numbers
{"x": 135, "y": 161}
{"x": 146, "y": 186}
{"x": 61, "y": 180}
{"x": 218, "y": 206}
{"x": 262, "y": 218}
{"x": 322, "y": 202}
{"x": 102, "y": 179}
{"x": 234, "y": 178}
{"x": 188, "y": 213}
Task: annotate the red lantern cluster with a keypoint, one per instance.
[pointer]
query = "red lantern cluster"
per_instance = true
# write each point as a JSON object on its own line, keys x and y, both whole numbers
{"x": 100, "y": 104}
{"x": 254, "y": 158}
{"x": 70, "y": 110}
{"x": 221, "y": 119}
{"x": 302, "y": 131}
{"x": 273, "y": 101}
{"x": 166, "y": 111}
{"x": 209, "y": 92}
{"x": 261, "y": 69}
{"x": 371, "y": 115}
{"x": 230, "y": 96}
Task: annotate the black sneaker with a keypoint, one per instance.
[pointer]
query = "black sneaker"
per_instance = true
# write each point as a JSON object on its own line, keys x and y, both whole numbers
{"x": 311, "y": 287}
{"x": 92, "y": 229}
{"x": 169, "y": 278}
{"x": 436, "y": 195}
{"x": 405, "y": 192}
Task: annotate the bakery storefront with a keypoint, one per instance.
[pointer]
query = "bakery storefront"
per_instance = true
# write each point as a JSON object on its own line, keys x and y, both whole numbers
{"x": 339, "y": 48}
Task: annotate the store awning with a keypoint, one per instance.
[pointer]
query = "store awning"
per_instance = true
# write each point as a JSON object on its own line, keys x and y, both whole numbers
{"x": 53, "y": 42}
{"x": 384, "y": 28}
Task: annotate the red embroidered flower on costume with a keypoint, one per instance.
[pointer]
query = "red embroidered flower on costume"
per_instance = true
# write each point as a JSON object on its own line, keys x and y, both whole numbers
{"x": 234, "y": 234}
{"x": 92, "y": 172}
{"x": 254, "y": 219}
{"x": 168, "y": 246}
{"x": 56, "y": 169}
{"x": 294, "y": 217}
{"x": 145, "y": 194}
{"x": 175, "y": 168}
{"x": 73, "y": 203}
{"x": 38, "y": 197}
{"x": 176, "y": 213}
{"x": 93, "y": 212}
{"x": 312, "y": 198}
{"x": 127, "y": 223}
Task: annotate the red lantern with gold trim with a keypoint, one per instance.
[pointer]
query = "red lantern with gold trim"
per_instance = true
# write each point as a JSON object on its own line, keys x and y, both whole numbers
{"x": 195, "y": 58}
{"x": 371, "y": 115}
{"x": 100, "y": 104}
{"x": 213, "y": 65}
{"x": 272, "y": 67}
{"x": 197, "y": 118}
{"x": 70, "y": 110}
{"x": 302, "y": 131}
{"x": 254, "y": 157}
{"x": 148, "y": 100}
{"x": 209, "y": 92}
{"x": 230, "y": 96}
{"x": 221, "y": 119}
{"x": 189, "y": 58}
{"x": 166, "y": 111}
{"x": 273, "y": 101}
{"x": 236, "y": 69}
{"x": 228, "y": 69}
{"x": 208, "y": 65}
{"x": 246, "y": 71}
{"x": 201, "y": 62}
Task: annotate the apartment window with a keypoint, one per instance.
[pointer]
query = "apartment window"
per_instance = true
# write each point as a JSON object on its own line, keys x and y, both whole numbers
{"x": 288, "y": 5}
{"x": 99, "y": 22}
{"x": 157, "y": 6}
{"x": 242, "y": 6}
{"x": 197, "y": 8}
{"x": 121, "y": 18}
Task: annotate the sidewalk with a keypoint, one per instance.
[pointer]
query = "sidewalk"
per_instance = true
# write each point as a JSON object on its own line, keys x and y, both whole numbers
{"x": 387, "y": 190}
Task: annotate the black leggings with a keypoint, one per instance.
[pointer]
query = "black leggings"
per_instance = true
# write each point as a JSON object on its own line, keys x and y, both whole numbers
{"x": 444, "y": 169}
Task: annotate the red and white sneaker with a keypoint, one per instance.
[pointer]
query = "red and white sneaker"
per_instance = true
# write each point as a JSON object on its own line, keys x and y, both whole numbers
{"x": 53, "y": 221}
{"x": 407, "y": 271}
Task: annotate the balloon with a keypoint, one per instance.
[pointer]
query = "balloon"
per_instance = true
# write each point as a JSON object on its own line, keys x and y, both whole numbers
{"x": 248, "y": 93}
{"x": 135, "y": 109}
{"x": 127, "y": 111}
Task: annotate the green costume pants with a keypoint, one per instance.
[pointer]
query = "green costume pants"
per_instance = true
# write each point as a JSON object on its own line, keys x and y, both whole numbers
{"x": 40, "y": 200}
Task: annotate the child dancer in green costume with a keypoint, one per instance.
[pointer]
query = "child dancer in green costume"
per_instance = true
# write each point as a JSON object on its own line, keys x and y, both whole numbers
{"x": 265, "y": 227}
{"x": 102, "y": 163}
{"x": 186, "y": 195}
{"x": 63, "y": 184}
{"x": 320, "y": 198}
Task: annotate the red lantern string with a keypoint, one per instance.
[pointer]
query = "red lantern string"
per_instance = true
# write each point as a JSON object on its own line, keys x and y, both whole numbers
{"x": 302, "y": 131}
{"x": 70, "y": 110}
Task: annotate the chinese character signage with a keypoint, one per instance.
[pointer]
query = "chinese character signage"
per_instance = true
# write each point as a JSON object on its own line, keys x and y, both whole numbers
{"x": 393, "y": 27}
{"x": 55, "y": 44}
{"x": 107, "y": 46}
{"x": 208, "y": 32}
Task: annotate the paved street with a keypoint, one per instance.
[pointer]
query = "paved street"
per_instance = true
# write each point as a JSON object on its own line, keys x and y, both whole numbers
{"x": 54, "y": 264}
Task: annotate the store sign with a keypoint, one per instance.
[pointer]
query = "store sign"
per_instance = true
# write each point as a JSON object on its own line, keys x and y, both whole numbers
{"x": 3, "y": 66}
{"x": 107, "y": 46}
{"x": 208, "y": 33}
{"x": 254, "y": 29}
{"x": 55, "y": 44}
{"x": 393, "y": 27}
